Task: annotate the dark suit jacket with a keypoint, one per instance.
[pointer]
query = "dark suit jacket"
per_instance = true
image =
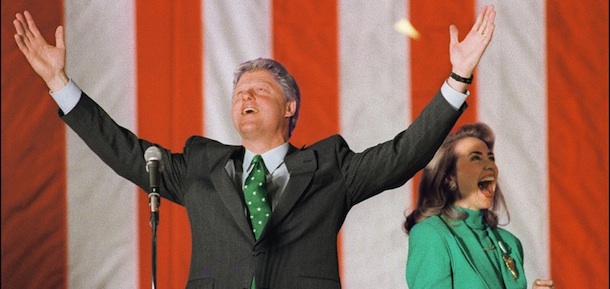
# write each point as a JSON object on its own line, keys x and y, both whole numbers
{"x": 298, "y": 248}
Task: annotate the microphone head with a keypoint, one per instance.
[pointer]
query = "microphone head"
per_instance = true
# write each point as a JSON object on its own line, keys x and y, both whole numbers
{"x": 151, "y": 155}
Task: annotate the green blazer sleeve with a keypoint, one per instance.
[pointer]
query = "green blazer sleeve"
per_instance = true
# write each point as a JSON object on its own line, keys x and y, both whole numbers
{"x": 429, "y": 259}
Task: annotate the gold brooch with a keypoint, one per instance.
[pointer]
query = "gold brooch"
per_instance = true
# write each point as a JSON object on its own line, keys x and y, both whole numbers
{"x": 508, "y": 261}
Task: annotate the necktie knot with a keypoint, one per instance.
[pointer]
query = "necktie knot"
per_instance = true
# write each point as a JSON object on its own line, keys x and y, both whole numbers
{"x": 256, "y": 196}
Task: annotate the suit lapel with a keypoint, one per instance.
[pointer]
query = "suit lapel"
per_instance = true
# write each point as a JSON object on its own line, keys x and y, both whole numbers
{"x": 301, "y": 165}
{"x": 220, "y": 162}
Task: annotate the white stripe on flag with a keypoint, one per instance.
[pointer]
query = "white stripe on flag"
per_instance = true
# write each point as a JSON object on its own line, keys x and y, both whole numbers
{"x": 512, "y": 100}
{"x": 235, "y": 31}
{"x": 102, "y": 214}
{"x": 374, "y": 107}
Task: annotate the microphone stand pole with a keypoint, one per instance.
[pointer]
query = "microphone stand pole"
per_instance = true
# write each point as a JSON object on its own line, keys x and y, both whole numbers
{"x": 154, "y": 201}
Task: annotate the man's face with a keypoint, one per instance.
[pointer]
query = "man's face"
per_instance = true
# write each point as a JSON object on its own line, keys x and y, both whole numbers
{"x": 259, "y": 107}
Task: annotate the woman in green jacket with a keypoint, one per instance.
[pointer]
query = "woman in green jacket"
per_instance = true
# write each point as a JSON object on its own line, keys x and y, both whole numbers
{"x": 454, "y": 239}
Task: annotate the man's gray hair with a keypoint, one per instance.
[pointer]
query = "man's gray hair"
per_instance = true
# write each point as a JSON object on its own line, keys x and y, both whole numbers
{"x": 284, "y": 79}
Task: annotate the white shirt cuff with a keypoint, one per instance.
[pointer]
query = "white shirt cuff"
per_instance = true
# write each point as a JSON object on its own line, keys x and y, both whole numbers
{"x": 454, "y": 97}
{"x": 67, "y": 97}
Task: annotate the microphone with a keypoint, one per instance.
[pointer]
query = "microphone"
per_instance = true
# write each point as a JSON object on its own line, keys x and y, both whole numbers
{"x": 154, "y": 166}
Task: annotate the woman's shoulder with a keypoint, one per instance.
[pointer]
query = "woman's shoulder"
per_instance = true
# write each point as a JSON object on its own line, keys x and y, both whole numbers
{"x": 505, "y": 233}
{"x": 507, "y": 236}
{"x": 431, "y": 225}
{"x": 431, "y": 232}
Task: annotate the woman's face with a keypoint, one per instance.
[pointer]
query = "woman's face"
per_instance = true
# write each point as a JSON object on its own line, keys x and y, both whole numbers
{"x": 477, "y": 174}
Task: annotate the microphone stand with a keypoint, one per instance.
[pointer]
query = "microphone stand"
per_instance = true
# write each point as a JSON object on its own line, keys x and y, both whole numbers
{"x": 154, "y": 166}
{"x": 154, "y": 202}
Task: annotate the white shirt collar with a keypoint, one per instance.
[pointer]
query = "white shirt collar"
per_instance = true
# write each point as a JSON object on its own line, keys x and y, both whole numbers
{"x": 273, "y": 158}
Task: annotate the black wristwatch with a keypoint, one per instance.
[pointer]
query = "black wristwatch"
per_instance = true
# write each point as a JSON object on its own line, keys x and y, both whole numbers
{"x": 462, "y": 79}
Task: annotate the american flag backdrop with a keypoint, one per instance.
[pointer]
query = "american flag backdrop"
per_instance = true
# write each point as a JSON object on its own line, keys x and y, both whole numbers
{"x": 164, "y": 70}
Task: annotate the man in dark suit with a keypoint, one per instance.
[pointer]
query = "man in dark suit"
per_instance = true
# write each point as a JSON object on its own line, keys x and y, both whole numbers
{"x": 308, "y": 191}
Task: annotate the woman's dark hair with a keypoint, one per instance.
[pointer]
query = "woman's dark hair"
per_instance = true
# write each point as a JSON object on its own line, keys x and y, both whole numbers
{"x": 434, "y": 195}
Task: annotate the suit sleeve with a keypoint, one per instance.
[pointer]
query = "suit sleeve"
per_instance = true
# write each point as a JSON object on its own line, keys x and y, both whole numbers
{"x": 392, "y": 163}
{"x": 428, "y": 260}
{"x": 122, "y": 150}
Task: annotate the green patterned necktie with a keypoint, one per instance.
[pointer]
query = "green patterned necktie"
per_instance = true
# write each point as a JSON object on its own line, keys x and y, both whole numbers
{"x": 256, "y": 196}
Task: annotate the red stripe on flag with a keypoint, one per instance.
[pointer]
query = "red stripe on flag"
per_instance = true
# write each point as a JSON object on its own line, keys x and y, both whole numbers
{"x": 34, "y": 208}
{"x": 186, "y": 120}
{"x": 430, "y": 65}
{"x": 305, "y": 40}
{"x": 170, "y": 109}
{"x": 577, "y": 54}
{"x": 153, "y": 47}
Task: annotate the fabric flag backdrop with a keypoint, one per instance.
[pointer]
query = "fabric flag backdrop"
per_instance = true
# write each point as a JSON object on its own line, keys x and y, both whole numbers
{"x": 164, "y": 70}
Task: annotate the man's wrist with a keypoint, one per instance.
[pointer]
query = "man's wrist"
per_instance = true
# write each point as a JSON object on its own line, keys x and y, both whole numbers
{"x": 456, "y": 96}
{"x": 457, "y": 77}
{"x": 67, "y": 97}
{"x": 57, "y": 83}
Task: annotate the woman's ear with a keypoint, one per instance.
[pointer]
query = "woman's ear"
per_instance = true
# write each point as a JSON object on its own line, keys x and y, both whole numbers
{"x": 452, "y": 185}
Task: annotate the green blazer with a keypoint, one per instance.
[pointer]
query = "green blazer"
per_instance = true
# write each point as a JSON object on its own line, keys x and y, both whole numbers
{"x": 439, "y": 257}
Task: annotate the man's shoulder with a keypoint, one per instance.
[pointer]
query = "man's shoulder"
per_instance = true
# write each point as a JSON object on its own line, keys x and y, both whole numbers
{"x": 197, "y": 141}
{"x": 331, "y": 141}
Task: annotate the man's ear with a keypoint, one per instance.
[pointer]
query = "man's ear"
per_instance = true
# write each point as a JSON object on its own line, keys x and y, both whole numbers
{"x": 291, "y": 108}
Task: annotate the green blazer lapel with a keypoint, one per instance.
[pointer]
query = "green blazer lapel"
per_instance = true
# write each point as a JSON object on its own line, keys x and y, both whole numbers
{"x": 509, "y": 281}
{"x": 462, "y": 230}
